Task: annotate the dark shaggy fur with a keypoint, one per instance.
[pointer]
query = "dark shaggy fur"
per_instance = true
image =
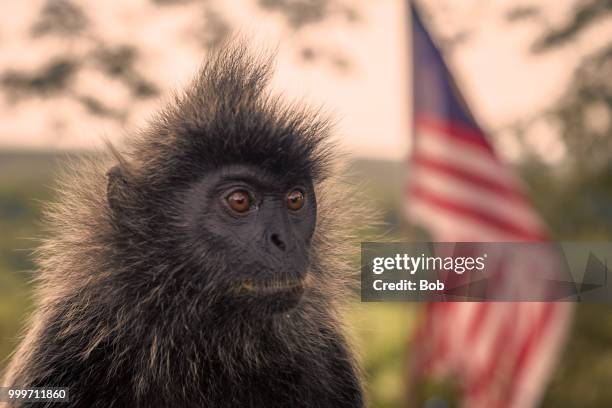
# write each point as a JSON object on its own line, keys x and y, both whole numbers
{"x": 124, "y": 319}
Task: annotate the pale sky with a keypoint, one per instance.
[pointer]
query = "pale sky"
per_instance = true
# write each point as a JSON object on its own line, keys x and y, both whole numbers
{"x": 500, "y": 79}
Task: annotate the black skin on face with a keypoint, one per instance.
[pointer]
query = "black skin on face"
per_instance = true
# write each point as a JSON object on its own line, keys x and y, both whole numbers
{"x": 253, "y": 215}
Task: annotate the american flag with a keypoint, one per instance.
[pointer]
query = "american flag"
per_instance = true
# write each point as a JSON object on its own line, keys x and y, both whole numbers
{"x": 502, "y": 354}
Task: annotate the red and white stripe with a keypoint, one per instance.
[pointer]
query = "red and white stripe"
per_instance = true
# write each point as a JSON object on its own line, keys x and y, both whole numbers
{"x": 502, "y": 352}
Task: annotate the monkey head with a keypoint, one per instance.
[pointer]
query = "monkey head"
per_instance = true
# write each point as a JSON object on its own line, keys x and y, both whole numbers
{"x": 220, "y": 193}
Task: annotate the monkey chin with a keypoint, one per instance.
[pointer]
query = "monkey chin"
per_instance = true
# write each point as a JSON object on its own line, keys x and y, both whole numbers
{"x": 273, "y": 296}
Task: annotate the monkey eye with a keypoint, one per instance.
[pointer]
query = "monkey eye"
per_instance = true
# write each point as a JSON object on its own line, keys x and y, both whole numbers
{"x": 295, "y": 200}
{"x": 239, "y": 201}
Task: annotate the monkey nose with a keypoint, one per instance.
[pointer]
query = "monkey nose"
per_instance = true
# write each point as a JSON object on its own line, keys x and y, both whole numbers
{"x": 277, "y": 241}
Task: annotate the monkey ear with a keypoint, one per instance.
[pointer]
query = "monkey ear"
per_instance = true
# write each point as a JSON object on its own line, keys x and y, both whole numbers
{"x": 116, "y": 189}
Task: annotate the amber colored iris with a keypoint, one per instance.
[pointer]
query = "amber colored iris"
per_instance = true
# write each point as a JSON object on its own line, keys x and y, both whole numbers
{"x": 239, "y": 201}
{"x": 295, "y": 200}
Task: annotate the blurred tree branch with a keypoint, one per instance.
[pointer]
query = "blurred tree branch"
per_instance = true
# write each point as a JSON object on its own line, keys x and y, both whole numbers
{"x": 51, "y": 79}
{"x": 60, "y": 17}
{"x": 300, "y": 13}
{"x": 584, "y": 111}
{"x": 585, "y": 15}
{"x": 68, "y": 20}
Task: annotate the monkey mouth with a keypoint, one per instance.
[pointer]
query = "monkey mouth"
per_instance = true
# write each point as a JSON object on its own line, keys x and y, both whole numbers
{"x": 267, "y": 288}
{"x": 273, "y": 295}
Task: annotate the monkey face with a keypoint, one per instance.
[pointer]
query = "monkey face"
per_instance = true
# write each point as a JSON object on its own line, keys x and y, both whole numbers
{"x": 258, "y": 227}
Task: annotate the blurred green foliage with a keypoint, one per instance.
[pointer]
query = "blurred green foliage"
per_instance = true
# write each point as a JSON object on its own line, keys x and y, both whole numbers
{"x": 577, "y": 205}
{"x": 22, "y": 189}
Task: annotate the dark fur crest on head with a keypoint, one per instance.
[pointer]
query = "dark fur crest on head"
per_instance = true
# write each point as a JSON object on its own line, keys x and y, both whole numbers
{"x": 119, "y": 303}
{"x": 227, "y": 116}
